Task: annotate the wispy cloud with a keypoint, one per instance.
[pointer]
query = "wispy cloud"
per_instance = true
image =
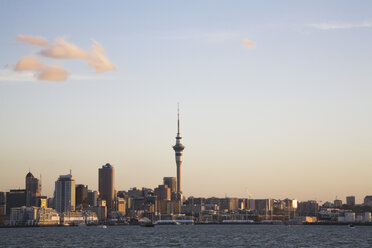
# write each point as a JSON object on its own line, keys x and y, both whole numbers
{"x": 41, "y": 71}
{"x": 61, "y": 49}
{"x": 33, "y": 40}
{"x": 330, "y": 26}
{"x": 248, "y": 43}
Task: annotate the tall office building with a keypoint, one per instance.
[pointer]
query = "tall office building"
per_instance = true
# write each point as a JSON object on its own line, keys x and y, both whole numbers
{"x": 178, "y": 148}
{"x": 81, "y": 195}
{"x": 15, "y": 198}
{"x": 64, "y": 194}
{"x": 350, "y": 200}
{"x": 163, "y": 192}
{"x": 106, "y": 185}
{"x": 33, "y": 189}
{"x": 171, "y": 182}
{"x": 2, "y": 203}
{"x": 92, "y": 198}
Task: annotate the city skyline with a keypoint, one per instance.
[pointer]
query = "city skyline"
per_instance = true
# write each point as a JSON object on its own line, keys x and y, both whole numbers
{"x": 275, "y": 97}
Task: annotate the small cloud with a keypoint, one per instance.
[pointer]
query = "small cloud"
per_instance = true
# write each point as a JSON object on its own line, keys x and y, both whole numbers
{"x": 330, "y": 26}
{"x": 33, "y": 40}
{"x": 99, "y": 60}
{"x": 248, "y": 43}
{"x": 52, "y": 73}
{"x": 42, "y": 72}
{"x": 29, "y": 63}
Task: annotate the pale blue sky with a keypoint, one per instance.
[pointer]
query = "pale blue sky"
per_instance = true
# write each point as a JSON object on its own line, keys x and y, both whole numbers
{"x": 288, "y": 118}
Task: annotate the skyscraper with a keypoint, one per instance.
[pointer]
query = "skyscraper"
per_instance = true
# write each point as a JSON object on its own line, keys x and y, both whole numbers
{"x": 64, "y": 194}
{"x": 81, "y": 195}
{"x": 163, "y": 192}
{"x": 350, "y": 200}
{"x": 178, "y": 148}
{"x": 171, "y": 182}
{"x": 33, "y": 189}
{"x": 106, "y": 185}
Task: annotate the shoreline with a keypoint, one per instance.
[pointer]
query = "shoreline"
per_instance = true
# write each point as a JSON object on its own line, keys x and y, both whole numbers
{"x": 232, "y": 224}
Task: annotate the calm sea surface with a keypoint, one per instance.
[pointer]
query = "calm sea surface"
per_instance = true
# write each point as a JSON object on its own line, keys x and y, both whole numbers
{"x": 189, "y": 236}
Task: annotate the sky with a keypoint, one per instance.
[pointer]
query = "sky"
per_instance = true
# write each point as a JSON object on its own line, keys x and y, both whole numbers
{"x": 275, "y": 96}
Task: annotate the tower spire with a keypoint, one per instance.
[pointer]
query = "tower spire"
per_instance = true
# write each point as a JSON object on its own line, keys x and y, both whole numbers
{"x": 178, "y": 119}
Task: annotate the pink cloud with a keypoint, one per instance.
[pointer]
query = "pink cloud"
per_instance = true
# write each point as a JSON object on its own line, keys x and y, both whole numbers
{"x": 52, "y": 73}
{"x": 42, "y": 72}
{"x": 248, "y": 43}
{"x": 29, "y": 63}
{"x": 33, "y": 40}
{"x": 62, "y": 49}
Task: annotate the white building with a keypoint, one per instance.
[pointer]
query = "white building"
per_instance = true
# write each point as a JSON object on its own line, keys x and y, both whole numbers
{"x": 367, "y": 217}
{"x": 33, "y": 216}
{"x": 349, "y": 217}
{"x": 72, "y": 218}
{"x": 64, "y": 194}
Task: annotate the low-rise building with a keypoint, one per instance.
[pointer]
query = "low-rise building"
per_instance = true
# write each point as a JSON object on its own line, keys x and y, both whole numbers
{"x": 33, "y": 216}
{"x": 72, "y": 218}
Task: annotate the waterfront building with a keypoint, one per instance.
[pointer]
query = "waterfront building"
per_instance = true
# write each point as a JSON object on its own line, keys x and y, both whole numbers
{"x": 106, "y": 185}
{"x": 350, "y": 200}
{"x": 32, "y": 216}
{"x": 170, "y": 207}
{"x": 367, "y": 217}
{"x": 15, "y": 198}
{"x": 2, "y": 203}
{"x": 64, "y": 194}
{"x": 192, "y": 209}
{"x": 47, "y": 217}
{"x": 264, "y": 206}
{"x": 229, "y": 204}
{"x": 349, "y": 217}
{"x": 33, "y": 189}
{"x": 308, "y": 208}
{"x": 120, "y": 205}
{"x": 81, "y": 195}
{"x": 90, "y": 217}
{"x": 303, "y": 219}
{"x": 100, "y": 211}
{"x": 178, "y": 149}
{"x": 72, "y": 218}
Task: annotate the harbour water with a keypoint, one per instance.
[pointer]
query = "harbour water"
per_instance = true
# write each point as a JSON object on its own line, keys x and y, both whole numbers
{"x": 188, "y": 236}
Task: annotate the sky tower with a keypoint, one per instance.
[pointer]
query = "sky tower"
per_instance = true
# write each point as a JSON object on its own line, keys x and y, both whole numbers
{"x": 178, "y": 148}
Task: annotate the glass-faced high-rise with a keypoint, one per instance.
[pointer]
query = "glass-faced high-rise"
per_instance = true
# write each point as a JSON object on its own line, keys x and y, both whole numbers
{"x": 106, "y": 185}
{"x": 64, "y": 194}
{"x": 33, "y": 189}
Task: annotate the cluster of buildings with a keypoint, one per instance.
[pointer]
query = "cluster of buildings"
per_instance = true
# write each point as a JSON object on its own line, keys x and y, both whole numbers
{"x": 76, "y": 204}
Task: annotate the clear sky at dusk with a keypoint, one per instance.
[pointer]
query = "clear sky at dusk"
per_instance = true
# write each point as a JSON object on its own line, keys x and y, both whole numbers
{"x": 275, "y": 96}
